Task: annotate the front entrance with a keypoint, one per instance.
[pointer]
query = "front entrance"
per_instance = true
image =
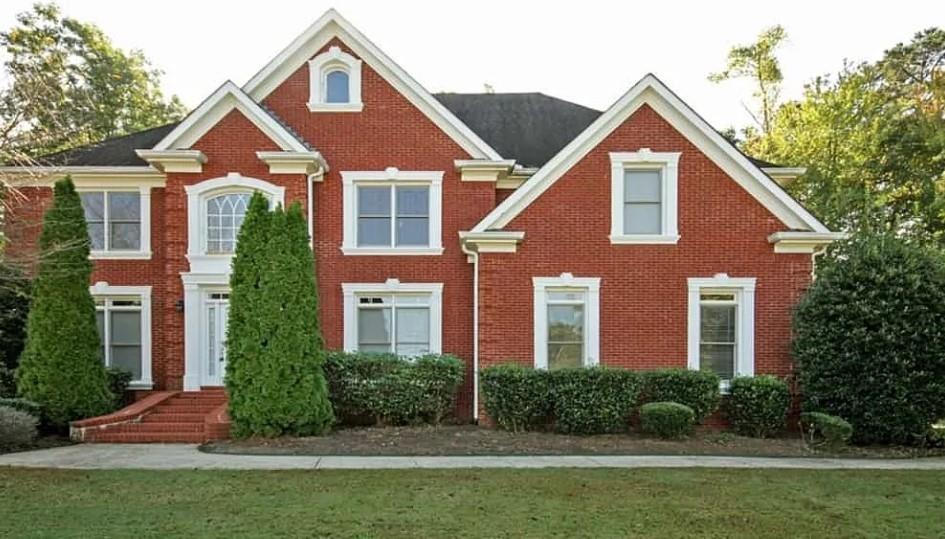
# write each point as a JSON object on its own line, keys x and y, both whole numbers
{"x": 216, "y": 309}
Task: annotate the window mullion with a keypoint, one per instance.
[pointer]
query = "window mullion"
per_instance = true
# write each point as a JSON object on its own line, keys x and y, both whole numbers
{"x": 106, "y": 241}
{"x": 393, "y": 216}
{"x": 108, "y": 333}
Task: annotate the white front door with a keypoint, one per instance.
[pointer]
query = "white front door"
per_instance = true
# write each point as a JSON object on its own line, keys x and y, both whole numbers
{"x": 216, "y": 310}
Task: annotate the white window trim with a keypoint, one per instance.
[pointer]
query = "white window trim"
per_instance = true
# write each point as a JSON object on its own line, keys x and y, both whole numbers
{"x": 391, "y": 177}
{"x": 319, "y": 68}
{"x": 591, "y": 285}
{"x": 744, "y": 290}
{"x": 351, "y": 291}
{"x": 105, "y": 290}
{"x": 668, "y": 163}
{"x": 144, "y": 246}
{"x": 197, "y": 196}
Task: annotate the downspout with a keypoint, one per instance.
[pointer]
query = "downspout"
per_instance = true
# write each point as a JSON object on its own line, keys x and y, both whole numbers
{"x": 310, "y": 195}
{"x": 474, "y": 257}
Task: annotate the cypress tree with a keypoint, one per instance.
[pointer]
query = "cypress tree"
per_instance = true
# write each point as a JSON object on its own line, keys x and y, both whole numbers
{"x": 61, "y": 367}
{"x": 276, "y": 383}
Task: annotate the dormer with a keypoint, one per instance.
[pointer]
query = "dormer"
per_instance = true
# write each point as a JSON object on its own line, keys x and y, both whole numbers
{"x": 334, "y": 82}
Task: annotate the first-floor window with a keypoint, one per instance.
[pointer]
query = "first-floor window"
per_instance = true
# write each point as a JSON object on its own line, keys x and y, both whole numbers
{"x": 718, "y": 345}
{"x": 721, "y": 326}
{"x": 398, "y": 323}
{"x": 119, "y": 329}
{"x": 566, "y": 336}
{"x": 567, "y": 321}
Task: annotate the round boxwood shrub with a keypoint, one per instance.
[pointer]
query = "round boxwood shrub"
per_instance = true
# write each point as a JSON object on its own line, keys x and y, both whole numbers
{"x": 758, "y": 405}
{"x": 825, "y": 429}
{"x": 698, "y": 390}
{"x": 870, "y": 339}
{"x": 593, "y": 400}
{"x": 17, "y": 428}
{"x": 667, "y": 419}
{"x": 517, "y": 398}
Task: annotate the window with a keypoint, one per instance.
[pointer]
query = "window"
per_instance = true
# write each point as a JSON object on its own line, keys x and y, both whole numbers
{"x": 644, "y": 197}
{"x": 225, "y": 214}
{"x": 124, "y": 327}
{"x": 393, "y": 317}
{"x": 335, "y": 82}
{"x": 392, "y": 212}
{"x": 118, "y": 222}
{"x": 567, "y": 321}
{"x": 721, "y": 326}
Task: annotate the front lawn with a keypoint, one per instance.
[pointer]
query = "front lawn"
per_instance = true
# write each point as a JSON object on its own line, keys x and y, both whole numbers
{"x": 467, "y": 503}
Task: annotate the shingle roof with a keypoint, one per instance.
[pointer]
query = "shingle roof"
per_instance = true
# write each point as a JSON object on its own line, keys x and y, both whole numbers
{"x": 528, "y": 127}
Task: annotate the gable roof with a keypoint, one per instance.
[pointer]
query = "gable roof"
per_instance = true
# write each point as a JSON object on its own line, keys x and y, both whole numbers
{"x": 331, "y": 25}
{"x": 651, "y": 91}
{"x": 225, "y": 99}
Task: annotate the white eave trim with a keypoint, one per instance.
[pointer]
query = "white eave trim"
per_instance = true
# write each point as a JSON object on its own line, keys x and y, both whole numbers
{"x": 226, "y": 98}
{"x": 492, "y": 241}
{"x": 483, "y": 170}
{"x": 332, "y": 25}
{"x": 174, "y": 160}
{"x": 293, "y": 162}
{"x": 649, "y": 90}
{"x": 99, "y": 176}
{"x": 803, "y": 242}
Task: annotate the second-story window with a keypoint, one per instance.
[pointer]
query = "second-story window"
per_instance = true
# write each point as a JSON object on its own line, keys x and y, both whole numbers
{"x": 113, "y": 219}
{"x": 334, "y": 82}
{"x": 225, "y": 214}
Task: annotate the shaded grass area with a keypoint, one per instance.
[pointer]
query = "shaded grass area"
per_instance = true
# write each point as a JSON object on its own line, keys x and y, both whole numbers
{"x": 472, "y": 503}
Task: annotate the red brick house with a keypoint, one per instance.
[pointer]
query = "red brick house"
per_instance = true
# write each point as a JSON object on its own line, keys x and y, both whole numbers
{"x": 490, "y": 226}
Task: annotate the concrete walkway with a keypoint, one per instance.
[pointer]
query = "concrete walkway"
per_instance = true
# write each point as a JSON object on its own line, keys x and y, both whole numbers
{"x": 187, "y": 457}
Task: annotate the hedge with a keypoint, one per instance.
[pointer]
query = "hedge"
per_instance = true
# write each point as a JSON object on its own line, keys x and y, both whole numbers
{"x": 593, "y": 400}
{"x": 391, "y": 390}
{"x": 667, "y": 419}
{"x": 758, "y": 406}
{"x": 698, "y": 390}
{"x": 517, "y": 398}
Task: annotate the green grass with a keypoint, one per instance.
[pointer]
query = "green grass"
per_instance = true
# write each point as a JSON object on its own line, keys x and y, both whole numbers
{"x": 472, "y": 503}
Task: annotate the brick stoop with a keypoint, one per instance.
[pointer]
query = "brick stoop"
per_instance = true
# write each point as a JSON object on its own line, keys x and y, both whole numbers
{"x": 166, "y": 416}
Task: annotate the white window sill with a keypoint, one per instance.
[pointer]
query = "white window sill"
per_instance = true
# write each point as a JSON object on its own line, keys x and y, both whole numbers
{"x": 140, "y": 386}
{"x": 335, "y": 107}
{"x": 656, "y": 239}
{"x": 120, "y": 255}
{"x": 392, "y": 251}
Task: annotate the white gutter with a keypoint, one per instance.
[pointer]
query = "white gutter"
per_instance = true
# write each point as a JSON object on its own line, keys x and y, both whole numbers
{"x": 310, "y": 194}
{"x": 473, "y": 256}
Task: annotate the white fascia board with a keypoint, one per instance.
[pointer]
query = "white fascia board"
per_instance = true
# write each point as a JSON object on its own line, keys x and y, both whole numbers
{"x": 803, "y": 242}
{"x": 649, "y": 90}
{"x": 226, "y": 98}
{"x": 99, "y": 176}
{"x": 331, "y": 25}
{"x": 293, "y": 162}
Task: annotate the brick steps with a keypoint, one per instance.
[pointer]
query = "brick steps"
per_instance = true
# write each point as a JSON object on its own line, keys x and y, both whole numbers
{"x": 183, "y": 417}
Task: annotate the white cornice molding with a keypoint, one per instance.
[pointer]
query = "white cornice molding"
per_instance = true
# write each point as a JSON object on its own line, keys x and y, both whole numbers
{"x": 492, "y": 241}
{"x": 115, "y": 176}
{"x": 484, "y": 170}
{"x": 294, "y": 162}
{"x": 784, "y": 175}
{"x": 803, "y": 242}
{"x": 174, "y": 160}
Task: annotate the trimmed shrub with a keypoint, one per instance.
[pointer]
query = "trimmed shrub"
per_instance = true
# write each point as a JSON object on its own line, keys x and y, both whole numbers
{"x": 60, "y": 367}
{"x": 391, "y": 390}
{"x": 825, "y": 429}
{"x": 118, "y": 381}
{"x": 24, "y": 405}
{"x": 17, "y": 428}
{"x": 870, "y": 339}
{"x": 593, "y": 400}
{"x": 667, "y": 419}
{"x": 275, "y": 351}
{"x": 698, "y": 390}
{"x": 758, "y": 405}
{"x": 517, "y": 398}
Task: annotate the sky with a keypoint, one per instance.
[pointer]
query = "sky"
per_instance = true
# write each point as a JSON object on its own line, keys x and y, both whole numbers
{"x": 589, "y": 52}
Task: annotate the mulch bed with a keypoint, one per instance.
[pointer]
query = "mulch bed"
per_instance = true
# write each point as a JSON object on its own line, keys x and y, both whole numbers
{"x": 43, "y": 442}
{"x": 469, "y": 440}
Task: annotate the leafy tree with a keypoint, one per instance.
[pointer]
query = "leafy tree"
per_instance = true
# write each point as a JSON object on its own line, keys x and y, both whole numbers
{"x": 69, "y": 86}
{"x": 870, "y": 338}
{"x": 758, "y": 62}
{"x": 275, "y": 351}
{"x": 60, "y": 367}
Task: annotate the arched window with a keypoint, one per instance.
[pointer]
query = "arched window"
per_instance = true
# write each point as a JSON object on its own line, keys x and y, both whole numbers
{"x": 336, "y": 87}
{"x": 225, "y": 215}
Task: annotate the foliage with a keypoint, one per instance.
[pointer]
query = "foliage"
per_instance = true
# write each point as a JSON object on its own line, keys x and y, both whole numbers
{"x": 118, "y": 381}
{"x": 14, "y": 306}
{"x": 758, "y": 62}
{"x": 70, "y": 86}
{"x": 23, "y": 405}
{"x": 60, "y": 367}
{"x": 870, "y": 339}
{"x": 698, "y": 390}
{"x": 758, "y": 406}
{"x": 667, "y": 419}
{"x": 17, "y": 428}
{"x": 275, "y": 351}
{"x": 593, "y": 400}
{"x": 825, "y": 429}
{"x": 7, "y": 382}
{"x": 517, "y": 398}
{"x": 392, "y": 390}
